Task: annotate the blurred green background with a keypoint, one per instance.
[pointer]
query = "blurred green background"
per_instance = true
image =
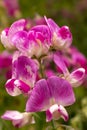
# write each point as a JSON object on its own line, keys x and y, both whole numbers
{"x": 72, "y": 13}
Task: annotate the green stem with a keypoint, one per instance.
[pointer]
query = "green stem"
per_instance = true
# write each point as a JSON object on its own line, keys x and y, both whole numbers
{"x": 53, "y": 125}
{"x": 41, "y": 68}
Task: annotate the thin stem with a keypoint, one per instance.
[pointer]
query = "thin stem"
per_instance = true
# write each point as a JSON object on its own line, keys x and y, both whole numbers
{"x": 53, "y": 125}
{"x": 41, "y": 68}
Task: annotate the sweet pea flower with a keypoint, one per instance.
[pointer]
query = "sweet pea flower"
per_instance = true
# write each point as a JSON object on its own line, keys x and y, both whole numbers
{"x": 18, "y": 119}
{"x": 24, "y": 72}
{"x": 8, "y": 33}
{"x": 76, "y": 77}
{"x": 35, "y": 42}
{"x": 51, "y": 95}
{"x": 12, "y": 7}
{"x": 61, "y": 37}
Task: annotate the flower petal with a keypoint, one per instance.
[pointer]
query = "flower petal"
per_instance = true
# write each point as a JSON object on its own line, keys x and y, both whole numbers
{"x": 21, "y": 41}
{"x": 39, "y": 99}
{"x": 61, "y": 91}
{"x": 12, "y": 115}
{"x": 43, "y": 33}
{"x": 19, "y": 25}
{"x": 4, "y": 38}
{"x": 7, "y": 34}
{"x": 55, "y": 112}
{"x": 16, "y": 87}
{"x": 18, "y": 119}
{"x": 25, "y": 69}
{"x": 58, "y": 60}
{"x": 77, "y": 77}
{"x": 52, "y": 25}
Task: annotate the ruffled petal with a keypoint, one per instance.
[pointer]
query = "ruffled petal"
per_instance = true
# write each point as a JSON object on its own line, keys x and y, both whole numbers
{"x": 4, "y": 39}
{"x": 7, "y": 34}
{"x": 42, "y": 33}
{"x": 76, "y": 78}
{"x": 19, "y": 25}
{"x": 55, "y": 112}
{"x": 61, "y": 91}
{"x": 64, "y": 37}
{"x": 16, "y": 87}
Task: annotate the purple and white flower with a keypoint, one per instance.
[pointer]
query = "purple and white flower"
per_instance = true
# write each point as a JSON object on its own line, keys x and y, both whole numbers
{"x": 24, "y": 73}
{"x": 61, "y": 37}
{"x": 18, "y": 119}
{"x": 8, "y": 33}
{"x": 75, "y": 78}
{"x": 35, "y": 42}
{"x": 51, "y": 95}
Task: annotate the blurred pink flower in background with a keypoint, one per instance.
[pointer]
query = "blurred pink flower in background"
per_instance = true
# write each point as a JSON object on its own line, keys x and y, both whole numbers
{"x": 12, "y": 7}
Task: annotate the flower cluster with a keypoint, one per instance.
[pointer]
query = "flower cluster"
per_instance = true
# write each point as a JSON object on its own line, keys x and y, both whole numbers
{"x": 45, "y": 68}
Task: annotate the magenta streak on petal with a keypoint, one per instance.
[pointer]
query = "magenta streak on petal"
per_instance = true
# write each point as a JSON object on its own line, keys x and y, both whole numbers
{"x": 63, "y": 112}
{"x": 55, "y": 112}
{"x": 79, "y": 73}
{"x": 48, "y": 115}
{"x": 16, "y": 87}
{"x": 64, "y": 32}
{"x": 6, "y": 31}
{"x": 42, "y": 33}
{"x": 10, "y": 85}
{"x": 22, "y": 86}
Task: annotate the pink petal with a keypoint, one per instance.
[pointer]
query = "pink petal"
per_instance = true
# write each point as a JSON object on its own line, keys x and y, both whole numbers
{"x": 25, "y": 69}
{"x": 7, "y": 34}
{"x": 58, "y": 60}
{"x": 52, "y": 25}
{"x": 55, "y": 112}
{"x": 39, "y": 99}
{"x": 12, "y": 115}
{"x": 21, "y": 41}
{"x": 77, "y": 77}
{"x": 61, "y": 91}
{"x": 16, "y": 87}
{"x": 19, "y": 25}
{"x": 42, "y": 33}
{"x": 18, "y": 119}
